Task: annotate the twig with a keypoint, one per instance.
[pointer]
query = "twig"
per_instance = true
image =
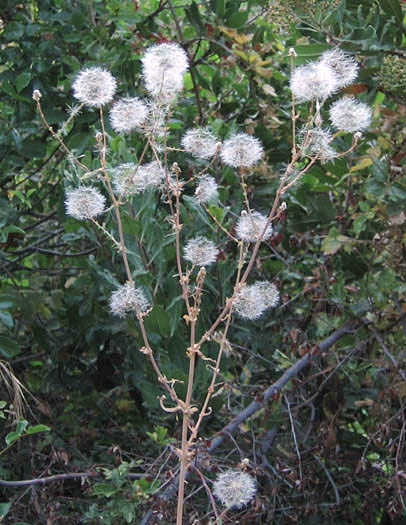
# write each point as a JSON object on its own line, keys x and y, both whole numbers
{"x": 328, "y": 475}
{"x": 294, "y": 436}
{"x": 58, "y": 477}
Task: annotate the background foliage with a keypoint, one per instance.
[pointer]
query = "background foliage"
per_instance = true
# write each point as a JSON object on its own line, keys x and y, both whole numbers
{"x": 338, "y": 254}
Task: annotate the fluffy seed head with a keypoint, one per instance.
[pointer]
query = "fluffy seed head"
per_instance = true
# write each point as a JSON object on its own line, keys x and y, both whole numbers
{"x": 207, "y": 189}
{"x": 131, "y": 179}
{"x": 164, "y": 66}
{"x": 200, "y": 143}
{"x": 251, "y": 225}
{"x": 316, "y": 142}
{"x": 344, "y": 65}
{"x": 128, "y": 114}
{"x": 315, "y": 81}
{"x": 241, "y": 150}
{"x": 84, "y": 203}
{"x": 253, "y": 300}
{"x": 347, "y": 114}
{"x": 127, "y": 298}
{"x": 234, "y": 489}
{"x": 200, "y": 251}
{"x": 94, "y": 86}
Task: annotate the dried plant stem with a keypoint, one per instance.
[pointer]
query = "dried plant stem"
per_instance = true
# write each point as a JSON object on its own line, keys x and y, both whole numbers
{"x": 58, "y": 138}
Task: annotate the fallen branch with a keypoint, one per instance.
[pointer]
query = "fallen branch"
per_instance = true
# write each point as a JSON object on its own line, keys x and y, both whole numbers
{"x": 58, "y": 477}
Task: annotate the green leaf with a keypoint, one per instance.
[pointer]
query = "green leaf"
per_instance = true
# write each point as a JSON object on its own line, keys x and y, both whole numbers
{"x": 218, "y": 6}
{"x": 104, "y": 489}
{"x": 4, "y": 508}
{"x": 23, "y": 80}
{"x": 11, "y": 437}
{"x": 392, "y": 7}
{"x": 37, "y": 428}
{"x": 193, "y": 16}
{"x": 33, "y": 148}
{"x": 13, "y": 31}
{"x": 159, "y": 321}
{"x": 6, "y": 319}
{"x": 21, "y": 426}
{"x": 237, "y": 19}
{"x": 8, "y": 347}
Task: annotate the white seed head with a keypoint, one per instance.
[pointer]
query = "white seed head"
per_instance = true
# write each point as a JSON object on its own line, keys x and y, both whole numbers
{"x": 36, "y": 95}
{"x": 128, "y": 114}
{"x": 234, "y": 489}
{"x": 253, "y": 300}
{"x": 344, "y": 65}
{"x": 127, "y": 298}
{"x": 251, "y": 225}
{"x": 200, "y": 251}
{"x": 207, "y": 189}
{"x": 200, "y": 143}
{"x": 164, "y": 67}
{"x": 94, "y": 86}
{"x": 84, "y": 203}
{"x": 131, "y": 179}
{"x": 315, "y": 81}
{"x": 241, "y": 150}
{"x": 315, "y": 142}
{"x": 347, "y": 114}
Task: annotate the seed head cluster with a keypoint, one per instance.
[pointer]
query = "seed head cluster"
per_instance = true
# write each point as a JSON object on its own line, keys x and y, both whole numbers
{"x": 200, "y": 251}
{"x": 200, "y": 143}
{"x": 315, "y": 142}
{"x": 164, "y": 67}
{"x": 94, "y": 87}
{"x": 253, "y": 300}
{"x": 319, "y": 80}
{"x": 316, "y": 80}
{"x": 234, "y": 489}
{"x": 131, "y": 179}
{"x": 344, "y": 66}
{"x": 206, "y": 189}
{"x": 251, "y": 225}
{"x": 128, "y": 114}
{"x": 84, "y": 203}
{"x": 347, "y": 114}
{"x": 241, "y": 150}
{"x": 128, "y": 299}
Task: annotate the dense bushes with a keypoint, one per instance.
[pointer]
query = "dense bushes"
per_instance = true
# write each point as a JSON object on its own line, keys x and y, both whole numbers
{"x": 337, "y": 255}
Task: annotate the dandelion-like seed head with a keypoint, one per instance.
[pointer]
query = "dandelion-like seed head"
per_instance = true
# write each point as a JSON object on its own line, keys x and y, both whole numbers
{"x": 200, "y": 251}
{"x": 127, "y": 299}
{"x": 241, "y": 150}
{"x": 234, "y": 489}
{"x": 315, "y": 142}
{"x": 347, "y": 114}
{"x": 315, "y": 81}
{"x": 131, "y": 179}
{"x": 128, "y": 180}
{"x": 207, "y": 189}
{"x": 94, "y": 86}
{"x": 200, "y": 143}
{"x": 128, "y": 114}
{"x": 251, "y": 225}
{"x": 252, "y": 301}
{"x": 164, "y": 66}
{"x": 84, "y": 203}
{"x": 344, "y": 65}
